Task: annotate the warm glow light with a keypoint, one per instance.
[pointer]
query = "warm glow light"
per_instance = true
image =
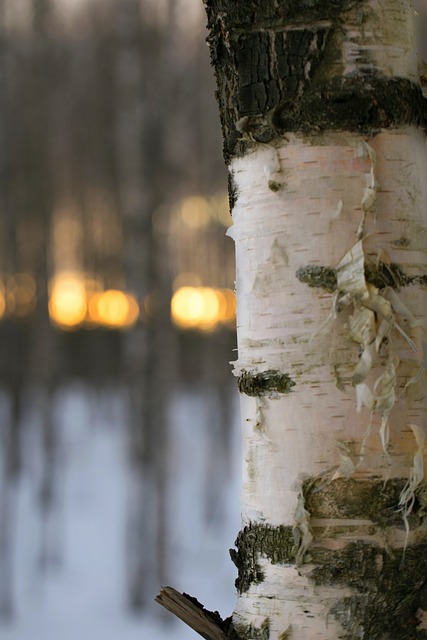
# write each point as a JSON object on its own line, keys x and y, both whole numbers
{"x": 93, "y": 316}
{"x": 196, "y": 308}
{"x": 113, "y": 308}
{"x": 2, "y": 300}
{"x": 67, "y": 304}
{"x": 186, "y": 307}
{"x": 93, "y": 287}
{"x": 195, "y": 212}
{"x": 10, "y": 294}
{"x": 211, "y": 308}
{"x": 228, "y": 310}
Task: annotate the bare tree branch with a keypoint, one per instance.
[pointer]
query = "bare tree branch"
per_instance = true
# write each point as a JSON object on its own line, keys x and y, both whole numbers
{"x": 206, "y": 623}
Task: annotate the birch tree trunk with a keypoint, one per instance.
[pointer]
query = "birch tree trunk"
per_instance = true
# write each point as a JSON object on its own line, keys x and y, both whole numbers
{"x": 324, "y": 135}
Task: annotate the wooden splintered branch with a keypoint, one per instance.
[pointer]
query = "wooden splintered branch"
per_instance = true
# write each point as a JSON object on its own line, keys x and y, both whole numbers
{"x": 206, "y": 623}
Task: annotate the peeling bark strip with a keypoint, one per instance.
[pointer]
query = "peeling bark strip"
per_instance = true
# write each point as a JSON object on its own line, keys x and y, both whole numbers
{"x": 286, "y": 74}
{"x": 381, "y": 275}
{"x": 266, "y": 383}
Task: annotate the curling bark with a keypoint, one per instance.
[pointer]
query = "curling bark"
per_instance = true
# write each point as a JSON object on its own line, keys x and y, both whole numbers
{"x": 324, "y": 135}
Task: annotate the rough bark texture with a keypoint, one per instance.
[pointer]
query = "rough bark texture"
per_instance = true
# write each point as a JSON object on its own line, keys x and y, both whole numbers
{"x": 273, "y": 65}
{"x": 370, "y": 501}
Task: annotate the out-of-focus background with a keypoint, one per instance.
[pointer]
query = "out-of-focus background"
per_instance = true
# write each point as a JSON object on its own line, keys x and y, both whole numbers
{"x": 119, "y": 461}
{"x": 119, "y": 465}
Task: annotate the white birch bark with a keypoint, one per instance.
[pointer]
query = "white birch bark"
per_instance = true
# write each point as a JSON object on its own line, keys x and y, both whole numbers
{"x": 316, "y": 429}
{"x": 356, "y": 356}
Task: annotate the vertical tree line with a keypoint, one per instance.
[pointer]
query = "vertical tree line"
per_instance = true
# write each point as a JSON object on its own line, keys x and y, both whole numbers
{"x": 101, "y": 134}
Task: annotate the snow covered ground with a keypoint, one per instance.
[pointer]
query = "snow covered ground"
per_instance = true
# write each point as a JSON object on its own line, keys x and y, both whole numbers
{"x": 83, "y": 598}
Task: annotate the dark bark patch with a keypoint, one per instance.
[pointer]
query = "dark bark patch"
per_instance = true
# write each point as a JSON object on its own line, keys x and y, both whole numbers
{"x": 341, "y": 499}
{"x": 388, "y": 589}
{"x": 402, "y": 242}
{"x": 278, "y": 71}
{"x": 232, "y": 191}
{"x": 354, "y": 104}
{"x": 270, "y": 13}
{"x": 318, "y": 277}
{"x": 255, "y": 540}
{"x": 371, "y": 499}
{"x": 380, "y": 275}
{"x": 266, "y": 383}
{"x": 388, "y": 586}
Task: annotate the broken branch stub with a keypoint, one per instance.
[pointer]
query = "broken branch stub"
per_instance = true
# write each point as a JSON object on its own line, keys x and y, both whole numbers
{"x": 207, "y": 624}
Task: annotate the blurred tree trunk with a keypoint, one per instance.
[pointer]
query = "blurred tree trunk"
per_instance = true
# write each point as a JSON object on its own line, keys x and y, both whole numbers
{"x": 139, "y": 152}
{"x": 321, "y": 110}
{"x": 13, "y": 339}
{"x": 10, "y": 467}
{"x": 42, "y": 373}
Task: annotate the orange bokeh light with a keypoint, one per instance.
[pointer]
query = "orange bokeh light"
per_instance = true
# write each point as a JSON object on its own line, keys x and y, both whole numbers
{"x": 67, "y": 304}
{"x": 202, "y": 308}
{"x": 2, "y": 300}
{"x": 113, "y": 308}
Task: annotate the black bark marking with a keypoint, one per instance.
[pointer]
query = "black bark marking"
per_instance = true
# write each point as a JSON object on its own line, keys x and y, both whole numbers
{"x": 359, "y": 105}
{"x": 233, "y": 192}
{"x": 276, "y": 75}
{"x": 273, "y": 13}
{"x": 380, "y": 275}
{"x": 265, "y": 383}
{"x": 255, "y": 540}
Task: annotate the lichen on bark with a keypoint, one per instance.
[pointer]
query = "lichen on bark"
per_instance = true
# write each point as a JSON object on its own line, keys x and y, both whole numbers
{"x": 255, "y": 540}
{"x": 317, "y": 276}
{"x": 264, "y": 383}
{"x": 343, "y": 499}
{"x": 380, "y": 275}
{"x": 388, "y": 589}
{"x": 364, "y": 499}
{"x": 250, "y": 632}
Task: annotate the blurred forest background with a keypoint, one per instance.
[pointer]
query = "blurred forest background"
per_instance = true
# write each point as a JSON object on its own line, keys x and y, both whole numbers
{"x": 116, "y": 278}
{"x": 117, "y": 311}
